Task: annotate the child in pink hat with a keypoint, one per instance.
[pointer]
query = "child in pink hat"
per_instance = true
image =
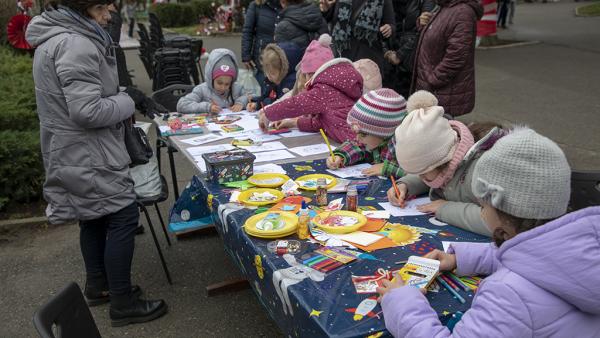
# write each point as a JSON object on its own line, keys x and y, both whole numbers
{"x": 373, "y": 118}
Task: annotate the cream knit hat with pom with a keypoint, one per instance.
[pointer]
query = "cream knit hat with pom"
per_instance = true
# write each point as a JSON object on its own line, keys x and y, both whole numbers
{"x": 425, "y": 140}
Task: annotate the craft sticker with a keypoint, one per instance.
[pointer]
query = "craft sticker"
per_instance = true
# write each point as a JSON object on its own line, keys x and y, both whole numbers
{"x": 259, "y": 268}
{"x": 365, "y": 308}
{"x": 401, "y": 234}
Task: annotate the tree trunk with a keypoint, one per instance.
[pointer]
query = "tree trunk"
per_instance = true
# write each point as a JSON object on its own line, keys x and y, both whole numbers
{"x": 8, "y": 8}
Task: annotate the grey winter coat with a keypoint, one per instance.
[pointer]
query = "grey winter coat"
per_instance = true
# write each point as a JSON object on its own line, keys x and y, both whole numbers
{"x": 203, "y": 95}
{"x": 80, "y": 110}
{"x": 300, "y": 24}
{"x": 462, "y": 209}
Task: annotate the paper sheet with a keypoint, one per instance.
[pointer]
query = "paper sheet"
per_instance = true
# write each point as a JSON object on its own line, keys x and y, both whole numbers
{"x": 270, "y": 156}
{"x": 256, "y": 135}
{"x": 198, "y": 151}
{"x": 351, "y": 171}
{"x": 296, "y": 133}
{"x": 198, "y": 140}
{"x": 164, "y": 129}
{"x": 214, "y": 127}
{"x": 310, "y": 150}
{"x": 269, "y": 168}
{"x": 270, "y": 146}
{"x": 248, "y": 122}
{"x": 360, "y": 238}
{"x": 409, "y": 210}
{"x": 200, "y": 163}
{"x": 378, "y": 214}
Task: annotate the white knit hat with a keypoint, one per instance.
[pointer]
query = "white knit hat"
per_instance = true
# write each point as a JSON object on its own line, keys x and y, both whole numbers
{"x": 425, "y": 140}
{"x": 525, "y": 175}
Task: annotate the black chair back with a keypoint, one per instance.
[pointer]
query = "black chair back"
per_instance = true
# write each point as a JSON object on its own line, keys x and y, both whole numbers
{"x": 585, "y": 189}
{"x": 169, "y": 96}
{"x": 66, "y": 315}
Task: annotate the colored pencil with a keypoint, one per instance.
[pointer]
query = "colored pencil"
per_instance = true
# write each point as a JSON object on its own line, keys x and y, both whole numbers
{"x": 401, "y": 262}
{"x": 457, "y": 281}
{"x": 327, "y": 142}
{"x": 312, "y": 259}
{"x": 451, "y": 290}
{"x": 450, "y": 282}
{"x": 395, "y": 187}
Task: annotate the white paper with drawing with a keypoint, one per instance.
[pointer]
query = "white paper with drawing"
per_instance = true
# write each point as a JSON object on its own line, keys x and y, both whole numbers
{"x": 310, "y": 150}
{"x": 198, "y": 151}
{"x": 198, "y": 140}
{"x": 409, "y": 210}
{"x": 269, "y": 146}
{"x": 351, "y": 171}
{"x": 270, "y": 156}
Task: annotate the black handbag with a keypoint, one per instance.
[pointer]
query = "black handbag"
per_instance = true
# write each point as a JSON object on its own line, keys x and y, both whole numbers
{"x": 137, "y": 144}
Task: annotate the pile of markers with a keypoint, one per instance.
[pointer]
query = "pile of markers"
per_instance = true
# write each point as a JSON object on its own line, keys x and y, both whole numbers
{"x": 454, "y": 284}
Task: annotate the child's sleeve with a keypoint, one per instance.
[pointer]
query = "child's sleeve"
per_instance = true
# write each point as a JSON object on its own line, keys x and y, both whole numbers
{"x": 305, "y": 103}
{"x": 194, "y": 102}
{"x": 240, "y": 96}
{"x": 497, "y": 311}
{"x": 390, "y": 164}
{"x": 475, "y": 258}
{"x": 309, "y": 123}
{"x": 463, "y": 215}
{"x": 353, "y": 153}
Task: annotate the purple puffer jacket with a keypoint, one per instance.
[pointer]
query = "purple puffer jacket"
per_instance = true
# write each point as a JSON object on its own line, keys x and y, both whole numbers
{"x": 543, "y": 283}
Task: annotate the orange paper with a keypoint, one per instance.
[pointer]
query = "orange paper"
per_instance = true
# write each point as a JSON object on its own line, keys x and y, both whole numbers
{"x": 373, "y": 225}
{"x": 383, "y": 243}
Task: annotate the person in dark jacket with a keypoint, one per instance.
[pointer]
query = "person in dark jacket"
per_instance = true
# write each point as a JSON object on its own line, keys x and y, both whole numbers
{"x": 299, "y": 22}
{"x": 359, "y": 28}
{"x": 258, "y": 32}
{"x": 445, "y": 56}
{"x": 400, "y": 57}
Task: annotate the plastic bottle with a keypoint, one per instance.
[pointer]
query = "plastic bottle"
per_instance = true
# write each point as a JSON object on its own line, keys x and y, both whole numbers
{"x": 321, "y": 193}
{"x": 303, "y": 219}
{"x": 352, "y": 198}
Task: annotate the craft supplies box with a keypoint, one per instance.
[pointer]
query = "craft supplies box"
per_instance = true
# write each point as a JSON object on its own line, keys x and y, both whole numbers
{"x": 229, "y": 166}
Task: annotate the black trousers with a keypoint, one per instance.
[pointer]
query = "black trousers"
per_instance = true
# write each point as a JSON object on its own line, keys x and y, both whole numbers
{"x": 502, "y": 13}
{"x": 131, "y": 26}
{"x": 107, "y": 245}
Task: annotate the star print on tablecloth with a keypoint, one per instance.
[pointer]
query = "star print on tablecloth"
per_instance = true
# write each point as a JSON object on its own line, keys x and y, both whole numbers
{"x": 315, "y": 313}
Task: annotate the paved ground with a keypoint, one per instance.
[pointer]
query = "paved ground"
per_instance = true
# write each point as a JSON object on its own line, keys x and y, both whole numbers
{"x": 552, "y": 86}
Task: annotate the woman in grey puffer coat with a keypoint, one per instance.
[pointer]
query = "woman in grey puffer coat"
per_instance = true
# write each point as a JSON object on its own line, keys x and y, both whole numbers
{"x": 81, "y": 111}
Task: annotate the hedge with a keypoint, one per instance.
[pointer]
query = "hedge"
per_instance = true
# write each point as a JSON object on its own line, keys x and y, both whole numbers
{"x": 21, "y": 168}
{"x": 182, "y": 14}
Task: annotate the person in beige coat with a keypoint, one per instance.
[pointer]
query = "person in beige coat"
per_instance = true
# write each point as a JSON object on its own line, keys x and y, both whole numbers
{"x": 439, "y": 156}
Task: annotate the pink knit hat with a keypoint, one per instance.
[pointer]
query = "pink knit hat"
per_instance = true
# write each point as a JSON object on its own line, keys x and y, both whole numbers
{"x": 317, "y": 53}
{"x": 369, "y": 70}
{"x": 224, "y": 67}
{"x": 378, "y": 113}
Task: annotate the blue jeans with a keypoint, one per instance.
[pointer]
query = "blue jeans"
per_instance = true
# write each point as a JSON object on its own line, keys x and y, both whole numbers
{"x": 107, "y": 245}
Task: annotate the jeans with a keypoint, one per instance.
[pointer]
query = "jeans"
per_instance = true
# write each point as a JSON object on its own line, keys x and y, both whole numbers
{"x": 107, "y": 247}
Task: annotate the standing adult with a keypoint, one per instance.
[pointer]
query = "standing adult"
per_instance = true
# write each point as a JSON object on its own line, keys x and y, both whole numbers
{"x": 299, "y": 22}
{"x": 258, "y": 32}
{"x": 81, "y": 111}
{"x": 130, "y": 9}
{"x": 445, "y": 56}
{"x": 400, "y": 58}
{"x": 359, "y": 27}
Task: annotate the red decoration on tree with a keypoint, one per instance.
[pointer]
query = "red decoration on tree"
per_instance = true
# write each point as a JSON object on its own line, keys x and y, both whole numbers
{"x": 15, "y": 31}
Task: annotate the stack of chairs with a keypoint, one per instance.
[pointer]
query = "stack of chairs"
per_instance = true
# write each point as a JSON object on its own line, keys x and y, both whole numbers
{"x": 157, "y": 38}
{"x": 184, "y": 44}
{"x": 170, "y": 67}
{"x": 146, "y": 50}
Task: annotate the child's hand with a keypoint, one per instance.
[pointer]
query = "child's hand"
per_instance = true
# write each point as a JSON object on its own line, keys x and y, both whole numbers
{"x": 398, "y": 200}
{"x": 447, "y": 261}
{"x": 215, "y": 109}
{"x": 263, "y": 122}
{"x": 431, "y": 207}
{"x": 286, "y": 123}
{"x": 236, "y": 108}
{"x": 251, "y": 106}
{"x": 374, "y": 170}
{"x": 388, "y": 286}
{"x": 335, "y": 162}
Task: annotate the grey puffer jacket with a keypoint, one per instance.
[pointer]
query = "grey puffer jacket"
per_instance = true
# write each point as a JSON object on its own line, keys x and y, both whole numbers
{"x": 462, "y": 209}
{"x": 203, "y": 95}
{"x": 80, "y": 110}
{"x": 300, "y": 24}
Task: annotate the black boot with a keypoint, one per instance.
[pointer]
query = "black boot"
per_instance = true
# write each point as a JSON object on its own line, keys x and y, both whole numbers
{"x": 96, "y": 289}
{"x": 125, "y": 309}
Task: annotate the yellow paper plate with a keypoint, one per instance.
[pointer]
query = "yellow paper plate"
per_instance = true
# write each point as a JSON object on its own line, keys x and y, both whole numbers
{"x": 340, "y": 229}
{"x": 286, "y": 225}
{"x": 246, "y": 195}
{"x": 315, "y": 177}
{"x": 268, "y": 180}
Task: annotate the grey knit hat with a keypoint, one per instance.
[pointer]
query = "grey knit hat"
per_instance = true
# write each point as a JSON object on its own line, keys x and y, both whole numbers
{"x": 525, "y": 175}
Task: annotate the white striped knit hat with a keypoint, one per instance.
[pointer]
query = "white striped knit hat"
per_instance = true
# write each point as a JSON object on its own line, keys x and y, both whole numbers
{"x": 378, "y": 113}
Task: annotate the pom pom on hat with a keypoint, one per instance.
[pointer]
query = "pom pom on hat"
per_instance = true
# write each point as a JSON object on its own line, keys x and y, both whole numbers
{"x": 421, "y": 99}
{"x": 370, "y": 73}
{"x": 317, "y": 53}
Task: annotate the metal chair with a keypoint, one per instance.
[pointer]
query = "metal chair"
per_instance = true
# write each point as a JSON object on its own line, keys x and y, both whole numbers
{"x": 154, "y": 200}
{"x": 585, "y": 189}
{"x": 168, "y": 98}
{"x": 66, "y": 315}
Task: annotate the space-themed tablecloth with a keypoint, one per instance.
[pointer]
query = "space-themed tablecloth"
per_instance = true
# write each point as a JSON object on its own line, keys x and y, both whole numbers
{"x": 307, "y": 303}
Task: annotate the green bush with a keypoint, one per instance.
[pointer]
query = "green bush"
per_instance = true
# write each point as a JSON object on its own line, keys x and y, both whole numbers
{"x": 182, "y": 14}
{"x": 21, "y": 168}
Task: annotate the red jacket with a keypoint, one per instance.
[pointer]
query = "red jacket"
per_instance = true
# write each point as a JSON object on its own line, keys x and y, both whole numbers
{"x": 445, "y": 55}
{"x": 328, "y": 98}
